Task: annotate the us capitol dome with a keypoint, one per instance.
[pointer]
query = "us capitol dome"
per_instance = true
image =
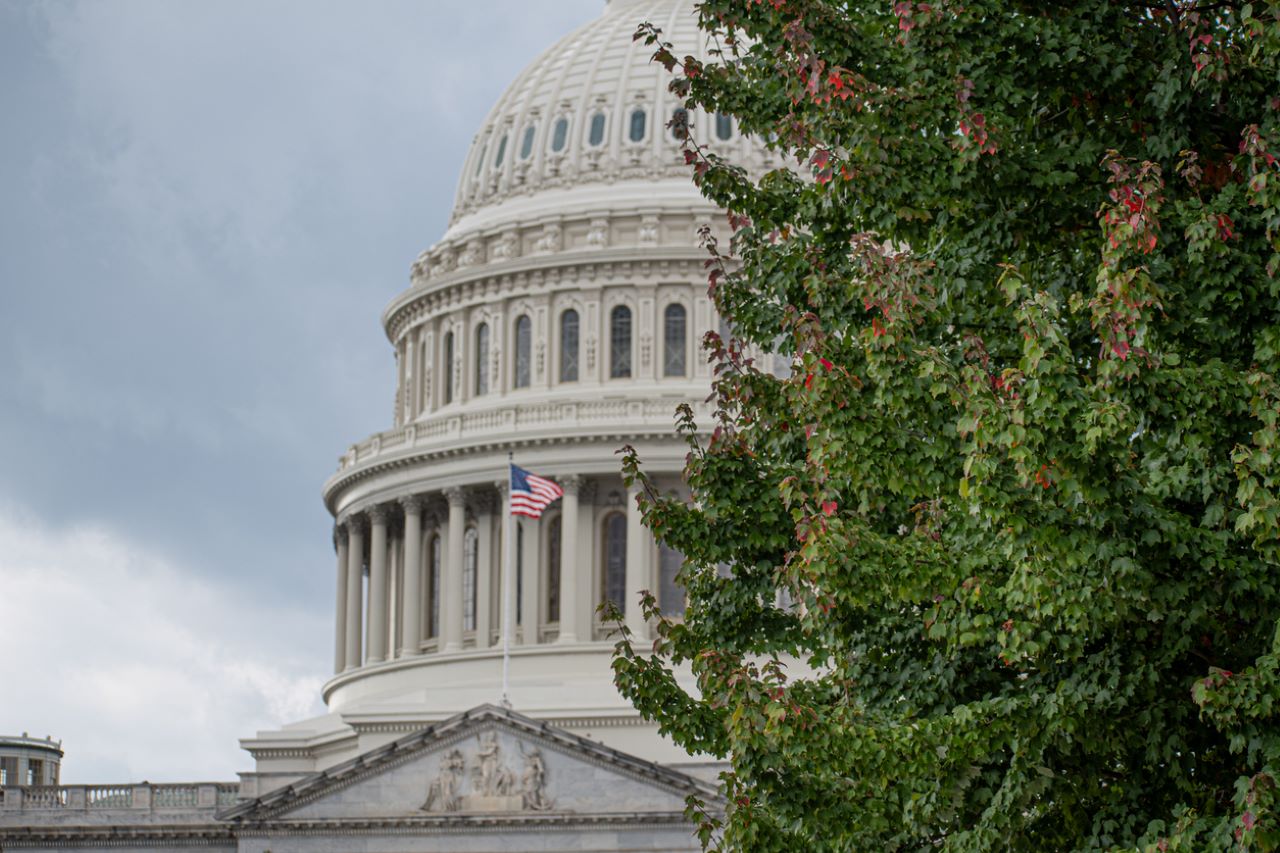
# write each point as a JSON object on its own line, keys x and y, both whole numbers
{"x": 559, "y": 317}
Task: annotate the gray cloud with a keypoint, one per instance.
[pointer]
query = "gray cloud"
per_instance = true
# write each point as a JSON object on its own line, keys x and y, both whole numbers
{"x": 203, "y": 210}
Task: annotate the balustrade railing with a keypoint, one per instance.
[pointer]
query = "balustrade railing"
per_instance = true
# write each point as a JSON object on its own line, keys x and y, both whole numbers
{"x": 198, "y": 796}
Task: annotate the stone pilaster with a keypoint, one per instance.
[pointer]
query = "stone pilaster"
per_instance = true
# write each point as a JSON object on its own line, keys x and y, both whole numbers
{"x": 531, "y": 580}
{"x": 483, "y": 506}
{"x": 639, "y": 572}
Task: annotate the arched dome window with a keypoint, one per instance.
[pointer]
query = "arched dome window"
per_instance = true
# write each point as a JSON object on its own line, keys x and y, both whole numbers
{"x": 484, "y": 149}
{"x": 671, "y": 596}
{"x": 448, "y": 367}
{"x": 526, "y": 144}
{"x": 637, "y": 125}
{"x": 615, "y": 560}
{"x": 595, "y": 133}
{"x": 435, "y": 553}
{"x": 553, "y": 570}
{"x": 724, "y": 127}
{"x": 569, "y": 346}
{"x": 524, "y": 345}
{"x": 559, "y": 134}
{"x": 673, "y": 340}
{"x": 502, "y": 152}
{"x": 620, "y": 342}
{"x": 470, "y": 568}
{"x": 482, "y": 359}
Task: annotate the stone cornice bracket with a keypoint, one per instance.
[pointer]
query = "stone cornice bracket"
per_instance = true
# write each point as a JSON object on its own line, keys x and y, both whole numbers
{"x": 456, "y": 496}
{"x": 572, "y": 484}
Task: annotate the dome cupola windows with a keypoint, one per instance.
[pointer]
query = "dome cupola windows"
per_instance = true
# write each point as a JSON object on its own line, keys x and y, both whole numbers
{"x": 559, "y": 134}
{"x": 502, "y": 152}
{"x": 637, "y": 125}
{"x": 595, "y": 130}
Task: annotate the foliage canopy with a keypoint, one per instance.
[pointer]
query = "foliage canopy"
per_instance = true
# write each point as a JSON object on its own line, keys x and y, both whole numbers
{"x": 1016, "y": 502}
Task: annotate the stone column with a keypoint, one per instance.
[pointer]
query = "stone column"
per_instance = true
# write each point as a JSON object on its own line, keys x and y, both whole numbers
{"x": 570, "y": 630}
{"x": 377, "y": 584}
{"x": 639, "y": 572}
{"x": 484, "y": 569}
{"x": 451, "y": 577}
{"x": 340, "y": 616}
{"x": 411, "y": 635}
{"x": 531, "y": 580}
{"x": 355, "y": 580}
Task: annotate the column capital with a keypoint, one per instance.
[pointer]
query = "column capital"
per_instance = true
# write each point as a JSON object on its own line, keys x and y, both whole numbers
{"x": 481, "y": 502}
{"x": 572, "y": 484}
{"x": 379, "y": 514}
{"x": 339, "y": 533}
{"x": 413, "y": 504}
{"x": 456, "y": 496}
{"x": 354, "y": 523}
{"x": 587, "y": 492}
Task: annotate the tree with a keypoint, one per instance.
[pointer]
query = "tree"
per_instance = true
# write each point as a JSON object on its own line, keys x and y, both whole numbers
{"x": 1017, "y": 501}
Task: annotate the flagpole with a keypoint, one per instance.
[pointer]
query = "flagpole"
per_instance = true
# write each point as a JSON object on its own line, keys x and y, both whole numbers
{"x": 508, "y": 566}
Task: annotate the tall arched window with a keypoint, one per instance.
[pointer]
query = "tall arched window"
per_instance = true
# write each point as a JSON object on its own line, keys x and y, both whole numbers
{"x": 482, "y": 359}
{"x": 502, "y": 152}
{"x": 524, "y": 345}
{"x": 637, "y": 128}
{"x": 673, "y": 341}
{"x": 553, "y": 570}
{"x": 435, "y": 553}
{"x": 448, "y": 367}
{"x": 595, "y": 134}
{"x": 615, "y": 560}
{"x": 559, "y": 134}
{"x": 620, "y": 342}
{"x": 569, "y": 346}
{"x": 470, "y": 569}
{"x": 670, "y": 593}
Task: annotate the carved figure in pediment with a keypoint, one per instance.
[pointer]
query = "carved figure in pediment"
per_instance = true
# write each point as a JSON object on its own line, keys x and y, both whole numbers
{"x": 533, "y": 783}
{"x": 443, "y": 795}
{"x": 493, "y": 779}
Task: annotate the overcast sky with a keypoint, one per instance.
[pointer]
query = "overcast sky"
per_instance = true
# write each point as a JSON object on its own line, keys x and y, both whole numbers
{"x": 204, "y": 207}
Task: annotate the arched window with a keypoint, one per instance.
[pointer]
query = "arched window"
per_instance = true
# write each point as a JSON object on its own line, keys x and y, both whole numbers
{"x": 569, "y": 346}
{"x": 482, "y": 359}
{"x": 637, "y": 126}
{"x": 620, "y": 342}
{"x": 595, "y": 135}
{"x": 724, "y": 127}
{"x": 526, "y": 143}
{"x": 502, "y": 152}
{"x": 524, "y": 345}
{"x": 615, "y": 560}
{"x": 435, "y": 553}
{"x": 448, "y": 367}
{"x": 470, "y": 568}
{"x": 673, "y": 341}
{"x": 559, "y": 134}
{"x": 670, "y": 593}
{"x": 484, "y": 149}
{"x": 553, "y": 570}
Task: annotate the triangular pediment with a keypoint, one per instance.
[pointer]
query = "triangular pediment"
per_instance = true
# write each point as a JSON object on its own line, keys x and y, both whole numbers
{"x": 488, "y": 762}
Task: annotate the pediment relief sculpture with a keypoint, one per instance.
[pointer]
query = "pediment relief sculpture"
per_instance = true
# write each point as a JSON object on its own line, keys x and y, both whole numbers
{"x": 493, "y": 786}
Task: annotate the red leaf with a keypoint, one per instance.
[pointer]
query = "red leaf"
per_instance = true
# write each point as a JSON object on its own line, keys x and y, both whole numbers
{"x": 828, "y": 507}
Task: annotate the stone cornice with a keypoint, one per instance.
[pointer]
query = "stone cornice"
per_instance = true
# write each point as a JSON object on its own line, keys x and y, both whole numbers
{"x": 452, "y": 824}
{"x": 600, "y": 265}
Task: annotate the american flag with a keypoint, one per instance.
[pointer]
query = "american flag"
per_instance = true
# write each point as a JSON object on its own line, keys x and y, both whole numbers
{"x": 531, "y": 494}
